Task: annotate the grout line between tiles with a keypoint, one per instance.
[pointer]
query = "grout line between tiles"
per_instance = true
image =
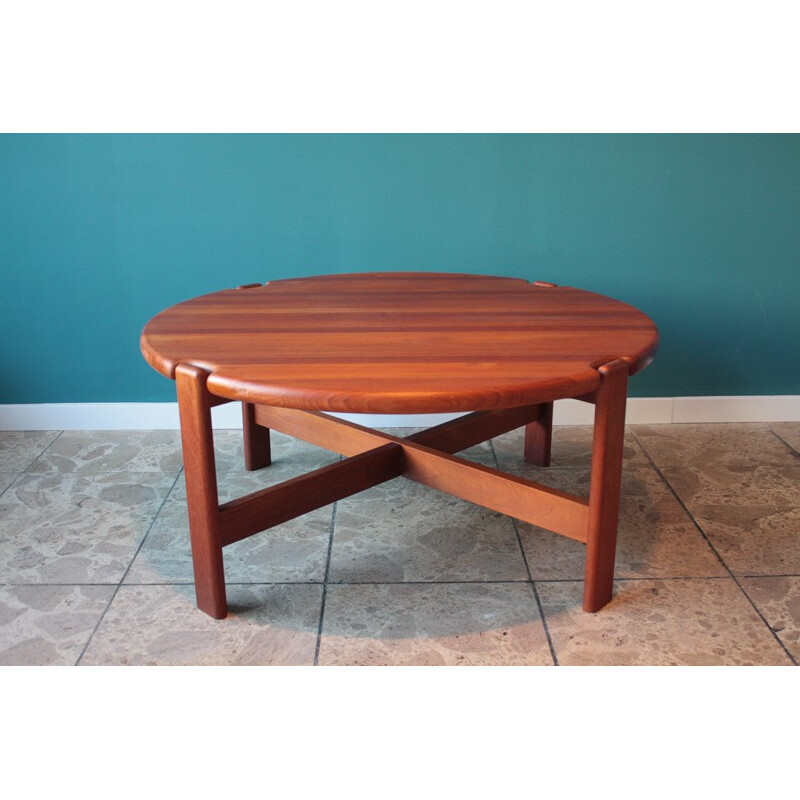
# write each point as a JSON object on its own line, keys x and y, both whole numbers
{"x": 769, "y": 575}
{"x": 425, "y": 583}
{"x": 325, "y": 585}
{"x": 25, "y": 471}
{"x": 231, "y": 583}
{"x": 127, "y": 570}
{"x": 530, "y": 580}
{"x": 454, "y": 582}
{"x": 16, "y": 478}
{"x": 716, "y": 552}
{"x": 636, "y": 580}
{"x": 784, "y": 442}
{"x": 618, "y": 579}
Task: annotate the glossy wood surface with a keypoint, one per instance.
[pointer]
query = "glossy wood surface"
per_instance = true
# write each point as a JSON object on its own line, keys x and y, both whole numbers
{"x": 499, "y": 347}
{"x": 257, "y": 449}
{"x": 202, "y": 499}
{"x": 539, "y": 437}
{"x": 399, "y": 342}
{"x": 609, "y": 432}
{"x": 509, "y": 494}
{"x": 260, "y": 510}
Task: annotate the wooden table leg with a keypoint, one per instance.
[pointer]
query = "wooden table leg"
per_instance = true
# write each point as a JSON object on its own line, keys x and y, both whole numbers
{"x": 609, "y": 432}
{"x": 539, "y": 436}
{"x": 257, "y": 452}
{"x": 194, "y": 404}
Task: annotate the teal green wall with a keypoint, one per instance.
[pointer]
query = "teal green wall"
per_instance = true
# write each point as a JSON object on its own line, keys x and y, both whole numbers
{"x": 99, "y": 232}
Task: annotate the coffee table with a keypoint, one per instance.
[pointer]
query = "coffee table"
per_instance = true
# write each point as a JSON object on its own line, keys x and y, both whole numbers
{"x": 502, "y": 349}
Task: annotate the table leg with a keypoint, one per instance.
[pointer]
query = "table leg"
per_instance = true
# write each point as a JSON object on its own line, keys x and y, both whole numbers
{"x": 202, "y": 499}
{"x": 257, "y": 452}
{"x": 539, "y": 436}
{"x": 609, "y": 432}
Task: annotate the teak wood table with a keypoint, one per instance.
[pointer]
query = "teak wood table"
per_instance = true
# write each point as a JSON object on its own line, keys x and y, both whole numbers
{"x": 502, "y": 349}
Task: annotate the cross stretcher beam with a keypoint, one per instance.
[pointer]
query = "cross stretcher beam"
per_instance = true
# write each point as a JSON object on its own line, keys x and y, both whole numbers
{"x": 526, "y": 500}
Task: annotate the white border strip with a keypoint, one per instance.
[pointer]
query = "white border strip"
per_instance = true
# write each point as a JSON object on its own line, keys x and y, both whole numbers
{"x": 159, "y": 416}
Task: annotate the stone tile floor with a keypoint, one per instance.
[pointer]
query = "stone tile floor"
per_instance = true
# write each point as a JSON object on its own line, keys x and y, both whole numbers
{"x": 95, "y": 565}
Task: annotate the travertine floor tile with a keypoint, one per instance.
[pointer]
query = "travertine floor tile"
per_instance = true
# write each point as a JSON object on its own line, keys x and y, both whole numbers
{"x": 76, "y": 528}
{"x": 48, "y": 625}
{"x": 687, "y": 622}
{"x": 572, "y": 447}
{"x": 19, "y": 449}
{"x": 152, "y": 625}
{"x": 789, "y": 432}
{"x": 429, "y": 625}
{"x": 750, "y": 514}
{"x": 294, "y": 551}
{"x": 229, "y": 449}
{"x": 290, "y": 457}
{"x": 655, "y": 537}
{"x": 480, "y": 453}
{"x": 91, "y": 452}
{"x": 78, "y": 514}
{"x": 778, "y": 599}
{"x": 6, "y": 479}
{"x": 403, "y": 531}
{"x": 725, "y": 444}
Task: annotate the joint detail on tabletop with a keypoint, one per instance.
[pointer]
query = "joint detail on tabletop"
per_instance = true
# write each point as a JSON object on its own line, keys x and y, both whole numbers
{"x": 193, "y": 376}
{"x": 603, "y": 365}
{"x": 249, "y": 286}
{"x": 614, "y": 366}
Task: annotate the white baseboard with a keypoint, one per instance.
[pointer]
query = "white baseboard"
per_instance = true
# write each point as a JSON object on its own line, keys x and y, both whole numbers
{"x": 778, "y": 408}
{"x": 641, "y": 410}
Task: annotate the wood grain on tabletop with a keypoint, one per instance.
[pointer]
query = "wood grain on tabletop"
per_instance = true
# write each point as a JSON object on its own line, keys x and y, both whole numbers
{"x": 399, "y": 342}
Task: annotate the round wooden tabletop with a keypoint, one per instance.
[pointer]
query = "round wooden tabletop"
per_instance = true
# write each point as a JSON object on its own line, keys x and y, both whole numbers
{"x": 391, "y": 343}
